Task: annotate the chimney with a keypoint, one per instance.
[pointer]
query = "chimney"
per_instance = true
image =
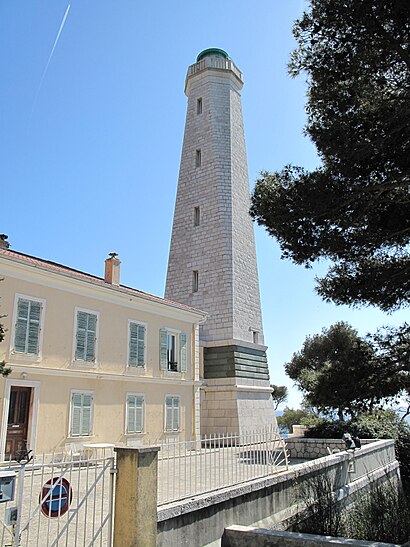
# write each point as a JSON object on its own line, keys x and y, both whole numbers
{"x": 112, "y": 269}
{"x": 4, "y": 244}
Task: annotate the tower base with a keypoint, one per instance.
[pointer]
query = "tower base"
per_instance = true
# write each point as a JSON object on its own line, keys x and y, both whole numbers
{"x": 236, "y": 394}
{"x": 236, "y": 405}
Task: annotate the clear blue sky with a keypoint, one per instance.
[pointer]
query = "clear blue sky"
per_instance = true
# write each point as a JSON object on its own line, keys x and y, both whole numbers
{"x": 89, "y": 161}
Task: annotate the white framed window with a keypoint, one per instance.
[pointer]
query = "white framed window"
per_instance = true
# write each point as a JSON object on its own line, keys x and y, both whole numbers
{"x": 198, "y": 158}
{"x": 27, "y": 330}
{"x": 199, "y": 105}
{"x": 137, "y": 344}
{"x": 81, "y": 413}
{"x": 134, "y": 413}
{"x": 172, "y": 412}
{"x": 173, "y": 350}
{"x": 86, "y": 335}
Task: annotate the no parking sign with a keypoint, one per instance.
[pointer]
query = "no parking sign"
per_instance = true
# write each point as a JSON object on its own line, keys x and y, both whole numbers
{"x": 55, "y": 497}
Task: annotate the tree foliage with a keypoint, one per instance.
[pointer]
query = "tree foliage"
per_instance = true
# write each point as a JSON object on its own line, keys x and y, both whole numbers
{"x": 279, "y": 395}
{"x": 393, "y": 351}
{"x": 291, "y": 417}
{"x": 338, "y": 370}
{"x": 355, "y": 208}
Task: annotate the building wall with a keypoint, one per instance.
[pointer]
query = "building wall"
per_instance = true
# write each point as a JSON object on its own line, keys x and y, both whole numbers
{"x": 53, "y": 421}
{"x": 58, "y": 342}
{"x": 56, "y": 374}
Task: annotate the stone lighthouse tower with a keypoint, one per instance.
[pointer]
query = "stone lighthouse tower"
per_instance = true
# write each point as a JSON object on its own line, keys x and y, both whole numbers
{"x": 212, "y": 261}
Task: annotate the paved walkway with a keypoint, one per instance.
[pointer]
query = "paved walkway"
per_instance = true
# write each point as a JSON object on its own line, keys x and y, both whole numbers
{"x": 198, "y": 471}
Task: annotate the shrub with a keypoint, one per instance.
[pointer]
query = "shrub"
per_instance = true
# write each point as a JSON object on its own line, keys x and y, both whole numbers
{"x": 381, "y": 515}
{"x": 320, "y": 514}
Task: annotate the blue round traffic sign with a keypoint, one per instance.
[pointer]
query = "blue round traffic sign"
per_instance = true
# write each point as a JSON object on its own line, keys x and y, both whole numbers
{"x": 55, "y": 497}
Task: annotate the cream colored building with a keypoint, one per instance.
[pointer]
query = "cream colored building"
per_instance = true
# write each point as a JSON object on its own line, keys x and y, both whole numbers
{"x": 92, "y": 360}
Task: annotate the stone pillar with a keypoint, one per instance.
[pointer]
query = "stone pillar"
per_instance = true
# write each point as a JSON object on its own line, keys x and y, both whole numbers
{"x": 212, "y": 261}
{"x": 135, "y": 512}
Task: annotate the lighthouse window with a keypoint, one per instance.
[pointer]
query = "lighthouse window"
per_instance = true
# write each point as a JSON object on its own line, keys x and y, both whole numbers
{"x": 195, "y": 281}
{"x": 198, "y": 158}
{"x": 197, "y": 216}
{"x": 199, "y": 106}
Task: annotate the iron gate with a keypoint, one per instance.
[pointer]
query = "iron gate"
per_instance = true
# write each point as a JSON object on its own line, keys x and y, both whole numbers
{"x": 60, "y": 503}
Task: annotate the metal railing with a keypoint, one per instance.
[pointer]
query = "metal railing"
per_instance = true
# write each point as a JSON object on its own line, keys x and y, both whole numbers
{"x": 214, "y": 62}
{"x": 190, "y": 468}
{"x": 60, "y": 500}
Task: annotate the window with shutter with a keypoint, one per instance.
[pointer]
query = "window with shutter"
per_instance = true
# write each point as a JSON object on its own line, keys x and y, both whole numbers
{"x": 172, "y": 412}
{"x": 137, "y": 344}
{"x": 135, "y": 417}
{"x": 81, "y": 414}
{"x": 173, "y": 350}
{"x": 86, "y": 336}
{"x": 28, "y": 326}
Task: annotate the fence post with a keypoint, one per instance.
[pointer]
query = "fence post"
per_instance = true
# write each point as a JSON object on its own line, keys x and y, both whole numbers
{"x": 135, "y": 512}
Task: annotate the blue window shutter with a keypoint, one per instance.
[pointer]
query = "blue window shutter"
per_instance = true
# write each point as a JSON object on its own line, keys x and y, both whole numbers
{"x": 141, "y": 346}
{"x": 139, "y": 426}
{"x": 163, "y": 336}
{"x": 135, "y": 405}
{"x": 86, "y": 414}
{"x": 131, "y": 414}
{"x": 137, "y": 345}
{"x": 182, "y": 352}
{"x": 33, "y": 337}
{"x": 27, "y": 328}
{"x": 133, "y": 347}
{"x": 81, "y": 335}
{"x": 86, "y": 336}
{"x": 172, "y": 413}
{"x": 168, "y": 414}
{"x": 21, "y": 325}
{"x": 91, "y": 337}
{"x": 176, "y": 414}
{"x": 76, "y": 411}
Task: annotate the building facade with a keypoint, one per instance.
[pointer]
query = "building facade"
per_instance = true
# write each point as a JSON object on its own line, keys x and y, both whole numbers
{"x": 212, "y": 260}
{"x": 92, "y": 360}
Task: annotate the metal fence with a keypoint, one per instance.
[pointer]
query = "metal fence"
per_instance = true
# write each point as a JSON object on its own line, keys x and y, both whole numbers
{"x": 59, "y": 503}
{"x": 186, "y": 469}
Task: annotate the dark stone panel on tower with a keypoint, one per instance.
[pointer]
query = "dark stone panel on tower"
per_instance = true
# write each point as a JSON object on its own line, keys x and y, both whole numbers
{"x": 235, "y": 361}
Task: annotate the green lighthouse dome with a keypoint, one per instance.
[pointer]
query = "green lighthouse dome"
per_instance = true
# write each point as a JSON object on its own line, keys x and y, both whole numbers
{"x": 212, "y": 52}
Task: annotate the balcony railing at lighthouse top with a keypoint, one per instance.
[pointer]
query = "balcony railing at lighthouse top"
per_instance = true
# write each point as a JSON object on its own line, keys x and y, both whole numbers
{"x": 214, "y": 62}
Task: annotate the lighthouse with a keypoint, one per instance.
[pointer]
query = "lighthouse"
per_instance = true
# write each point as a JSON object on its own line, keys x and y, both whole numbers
{"x": 212, "y": 261}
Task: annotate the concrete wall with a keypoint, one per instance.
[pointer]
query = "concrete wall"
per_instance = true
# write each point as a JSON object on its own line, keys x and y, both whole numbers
{"x": 242, "y": 536}
{"x": 269, "y": 501}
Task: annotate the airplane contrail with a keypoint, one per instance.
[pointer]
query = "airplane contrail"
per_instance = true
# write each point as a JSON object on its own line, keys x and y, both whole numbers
{"x": 50, "y": 56}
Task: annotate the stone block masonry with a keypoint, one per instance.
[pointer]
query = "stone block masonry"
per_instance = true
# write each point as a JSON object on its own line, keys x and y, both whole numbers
{"x": 212, "y": 260}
